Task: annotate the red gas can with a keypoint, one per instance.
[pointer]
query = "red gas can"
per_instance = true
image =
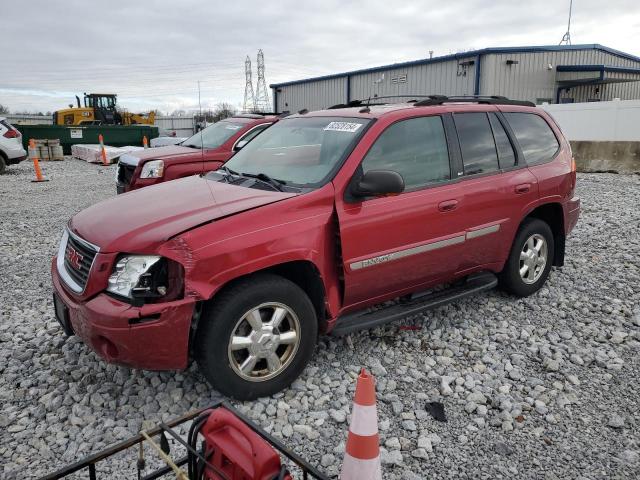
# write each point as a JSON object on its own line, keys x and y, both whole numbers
{"x": 236, "y": 451}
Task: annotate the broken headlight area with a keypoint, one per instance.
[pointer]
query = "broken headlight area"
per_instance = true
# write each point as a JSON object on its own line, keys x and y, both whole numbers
{"x": 141, "y": 279}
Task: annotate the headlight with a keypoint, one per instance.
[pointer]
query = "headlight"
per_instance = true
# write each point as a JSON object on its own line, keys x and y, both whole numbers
{"x": 131, "y": 274}
{"x": 147, "y": 278}
{"x": 152, "y": 169}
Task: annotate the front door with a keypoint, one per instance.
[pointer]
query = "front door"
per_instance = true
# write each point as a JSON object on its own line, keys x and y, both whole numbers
{"x": 394, "y": 244}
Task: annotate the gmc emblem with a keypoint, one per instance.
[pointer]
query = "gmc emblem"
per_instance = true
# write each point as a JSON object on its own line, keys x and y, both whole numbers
{"x": 74, "y": 258}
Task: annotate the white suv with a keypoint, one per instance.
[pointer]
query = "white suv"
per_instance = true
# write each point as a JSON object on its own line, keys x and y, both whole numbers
{"x": 11, "y": 150}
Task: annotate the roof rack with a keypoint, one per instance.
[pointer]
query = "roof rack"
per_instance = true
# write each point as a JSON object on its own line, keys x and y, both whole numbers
{"x": 367, "y": 102}
{"x": 488, "y": 100}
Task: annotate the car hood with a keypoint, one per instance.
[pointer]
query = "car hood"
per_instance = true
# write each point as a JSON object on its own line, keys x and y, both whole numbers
{"x": 141, "y": 220}
{"x": 160, "y": 152}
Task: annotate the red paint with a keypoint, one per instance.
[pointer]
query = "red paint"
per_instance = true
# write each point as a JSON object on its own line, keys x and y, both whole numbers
{"x": 182, "y": 161}
{"x": 220, "y": 232}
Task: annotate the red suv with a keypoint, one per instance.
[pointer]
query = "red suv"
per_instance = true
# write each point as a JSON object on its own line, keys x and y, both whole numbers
{"x": 203, "y": 152}
{"x": 320, "y": 217}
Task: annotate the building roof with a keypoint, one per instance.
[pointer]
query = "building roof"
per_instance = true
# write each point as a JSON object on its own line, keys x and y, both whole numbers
{"x": 471, "y": 53}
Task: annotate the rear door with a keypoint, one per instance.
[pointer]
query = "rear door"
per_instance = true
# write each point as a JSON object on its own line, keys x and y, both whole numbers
{"x": 495, "y": 188}
{"x": 394, "y": 244}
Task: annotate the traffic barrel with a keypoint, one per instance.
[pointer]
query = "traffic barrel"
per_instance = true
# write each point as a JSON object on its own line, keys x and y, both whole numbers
{"x": 103, "y": 152}
{"x": 33, "y": 154}
{"x": 362, "y": 454}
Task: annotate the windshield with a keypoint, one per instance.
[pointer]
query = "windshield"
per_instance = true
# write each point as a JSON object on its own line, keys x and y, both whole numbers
{"x": 301, "y": 152}
{"x": 214, "y": 135}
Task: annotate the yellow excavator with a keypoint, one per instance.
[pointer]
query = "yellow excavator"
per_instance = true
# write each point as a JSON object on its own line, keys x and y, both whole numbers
{"x": 100, "y": 109}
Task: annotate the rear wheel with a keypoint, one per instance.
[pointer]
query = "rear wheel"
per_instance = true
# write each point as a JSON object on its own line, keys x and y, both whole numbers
{"x": 257, "y": 337}
{"x": 530, "y": 259}
{"x": 3, "y": 163}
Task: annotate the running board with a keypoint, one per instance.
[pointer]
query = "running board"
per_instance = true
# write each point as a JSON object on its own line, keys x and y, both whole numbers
{"x": 418, "y": 303}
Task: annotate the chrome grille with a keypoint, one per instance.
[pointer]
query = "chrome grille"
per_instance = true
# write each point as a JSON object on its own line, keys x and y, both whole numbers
{"x": 125, "y": 173}
{"x": 78, "y": 258}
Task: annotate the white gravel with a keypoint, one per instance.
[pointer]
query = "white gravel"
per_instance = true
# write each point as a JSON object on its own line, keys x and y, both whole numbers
{"x": 542, "y": 387}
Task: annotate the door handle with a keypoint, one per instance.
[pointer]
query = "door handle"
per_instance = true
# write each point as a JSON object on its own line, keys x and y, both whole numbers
{"x": 522, "y": 188}
{"x": 448, "y": 205}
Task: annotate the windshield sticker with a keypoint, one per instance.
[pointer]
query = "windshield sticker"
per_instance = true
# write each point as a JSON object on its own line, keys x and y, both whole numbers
{"x": 343, "y": 127}
{"x": 232, "y": 127}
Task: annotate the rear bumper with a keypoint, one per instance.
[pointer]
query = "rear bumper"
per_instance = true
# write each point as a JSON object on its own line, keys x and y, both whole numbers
{"x": 572, "y": 212}
{"x": 151, "y": 337}
{"x": 13, "y": 161}
{"x": 14, "y": 154}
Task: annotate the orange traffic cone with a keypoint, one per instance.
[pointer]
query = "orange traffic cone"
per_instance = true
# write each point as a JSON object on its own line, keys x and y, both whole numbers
{"x": 362, "y": 456}
{"x": 33, "y": 154}
{"x": 103, "y": 152}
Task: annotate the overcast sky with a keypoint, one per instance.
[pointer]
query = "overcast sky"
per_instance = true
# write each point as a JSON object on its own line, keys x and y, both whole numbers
{"x": 152, "y": 53}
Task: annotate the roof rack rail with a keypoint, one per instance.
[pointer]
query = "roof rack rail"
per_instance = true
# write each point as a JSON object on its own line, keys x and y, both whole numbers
{"x": 368, "y": 101}
{"x": 488, "y": 100}
{"x": 250, "y": 115}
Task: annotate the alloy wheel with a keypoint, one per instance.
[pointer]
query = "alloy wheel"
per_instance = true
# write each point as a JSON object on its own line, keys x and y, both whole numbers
{"x": 264, "y": 342}
{"x": 533, "y": 258}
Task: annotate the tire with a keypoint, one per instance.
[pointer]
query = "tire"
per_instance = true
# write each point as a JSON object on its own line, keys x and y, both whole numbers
{"x": 524, "y": 258}
{"x": 3, "y": 163}
{"x": 231, "y": 316}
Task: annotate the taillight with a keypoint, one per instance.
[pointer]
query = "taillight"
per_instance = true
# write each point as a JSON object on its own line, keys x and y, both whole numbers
{"x": 12, "y": 133}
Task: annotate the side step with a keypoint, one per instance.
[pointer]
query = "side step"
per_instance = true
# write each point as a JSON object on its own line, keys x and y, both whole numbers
{"x": 365, "y": 319}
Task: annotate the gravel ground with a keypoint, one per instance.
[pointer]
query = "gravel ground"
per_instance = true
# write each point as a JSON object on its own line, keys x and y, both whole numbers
{"x": 542, "y": 387}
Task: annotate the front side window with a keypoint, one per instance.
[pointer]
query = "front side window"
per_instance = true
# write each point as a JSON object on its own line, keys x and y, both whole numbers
{"x": 415, "y": 148}
{"x": 476, "y": 143}
{"x": 537, "y": 141}
{"x": 302, "y": 151}
{"x": 214, "y": 135}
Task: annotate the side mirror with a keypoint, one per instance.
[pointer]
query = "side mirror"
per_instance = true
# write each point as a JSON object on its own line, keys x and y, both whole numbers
{"x": 378, "y": 182}
{"x": 240, "y": 145}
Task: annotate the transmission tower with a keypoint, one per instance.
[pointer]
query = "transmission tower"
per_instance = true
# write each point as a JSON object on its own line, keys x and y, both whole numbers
{"x": 249, "y": 97}
{"x": 263, "y": 104}
{"x": 566, "y": 38}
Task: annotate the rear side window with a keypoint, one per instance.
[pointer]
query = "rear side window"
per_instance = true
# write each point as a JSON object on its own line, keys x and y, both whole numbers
{"x": 476, "y": 143}
{"x": 415, "y": 148}
{"x": 536, "y": 139}
{"x": 506, "y": 153}
{"x": 254, "y": 133}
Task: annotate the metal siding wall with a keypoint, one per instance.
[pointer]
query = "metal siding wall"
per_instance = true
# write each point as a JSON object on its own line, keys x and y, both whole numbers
{"x": 437, "y": 78}
{"x": 313, "y": 95}
{"x": 530, "y": 79}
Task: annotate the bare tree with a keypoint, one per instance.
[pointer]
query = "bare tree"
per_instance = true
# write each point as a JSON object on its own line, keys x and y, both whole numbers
{"x": 3, "y": 110}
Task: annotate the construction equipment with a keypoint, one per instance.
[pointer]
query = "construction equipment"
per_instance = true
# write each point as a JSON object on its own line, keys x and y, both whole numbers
{"x": 100, "y": 109}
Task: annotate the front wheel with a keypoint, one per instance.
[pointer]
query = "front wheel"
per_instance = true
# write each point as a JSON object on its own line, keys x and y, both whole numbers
{"x": 530, "y": 259}
{"x": 257, "y": 337}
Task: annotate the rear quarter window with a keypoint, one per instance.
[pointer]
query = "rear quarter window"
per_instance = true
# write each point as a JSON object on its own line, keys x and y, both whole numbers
{"x": 537, "y": 141}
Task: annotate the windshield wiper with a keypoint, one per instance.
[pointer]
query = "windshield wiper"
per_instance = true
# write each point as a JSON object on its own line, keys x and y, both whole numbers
{"x": 228, "y": 173}
{"x": 264, "y": 178}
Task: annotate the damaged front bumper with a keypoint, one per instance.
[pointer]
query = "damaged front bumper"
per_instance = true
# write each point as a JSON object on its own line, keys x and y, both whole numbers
{"x": 151, "y": 337}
